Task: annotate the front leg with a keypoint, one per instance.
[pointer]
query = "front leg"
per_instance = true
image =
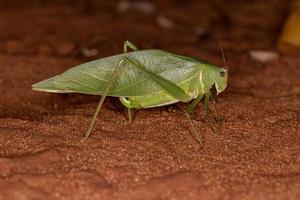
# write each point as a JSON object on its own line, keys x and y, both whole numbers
{"x": 206, "y": 101}
{"x": 213, "y": 118}
{"x": 208, "y": 97}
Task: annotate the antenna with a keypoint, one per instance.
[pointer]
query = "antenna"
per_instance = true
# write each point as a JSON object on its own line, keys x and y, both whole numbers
{"x": 223, "y": 56}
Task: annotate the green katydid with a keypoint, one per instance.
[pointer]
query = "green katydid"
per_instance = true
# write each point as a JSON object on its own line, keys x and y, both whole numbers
{"x": 141, "y": 79}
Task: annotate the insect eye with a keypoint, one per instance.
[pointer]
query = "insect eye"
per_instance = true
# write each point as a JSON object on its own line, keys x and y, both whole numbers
{"x": 222, "y": 73}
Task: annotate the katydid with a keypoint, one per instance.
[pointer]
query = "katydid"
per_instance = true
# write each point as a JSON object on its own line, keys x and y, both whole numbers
{"x": 141, "y": 79}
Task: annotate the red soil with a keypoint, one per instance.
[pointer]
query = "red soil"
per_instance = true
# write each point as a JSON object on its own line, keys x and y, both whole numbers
{"x": 253, "y": 155}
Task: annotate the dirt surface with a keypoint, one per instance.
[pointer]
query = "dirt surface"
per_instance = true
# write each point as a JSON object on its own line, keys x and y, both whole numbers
{"x": 253, "y": 155}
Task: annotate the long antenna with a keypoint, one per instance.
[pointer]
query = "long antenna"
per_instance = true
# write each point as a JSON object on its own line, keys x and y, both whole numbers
{"x": 223, "y": 56}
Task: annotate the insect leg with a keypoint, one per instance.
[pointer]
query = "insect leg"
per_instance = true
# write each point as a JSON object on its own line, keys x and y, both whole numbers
{"x": 217, "y": 118}
{"x": 206, "y": 101}
{"x": 212, "y": 119}
{"x": 113, "y": 76}
{"x": 213, "y": 99}
{"x": 169, "y": 87}
{"x": 209, "y": 96}
{"x": 129, "y": 115}
{"x": 130, "y": 45}
{"x": 194, "y": 104}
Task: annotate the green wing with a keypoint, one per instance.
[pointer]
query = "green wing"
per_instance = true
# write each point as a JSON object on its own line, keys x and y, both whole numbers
{"x": 93, "y": 77}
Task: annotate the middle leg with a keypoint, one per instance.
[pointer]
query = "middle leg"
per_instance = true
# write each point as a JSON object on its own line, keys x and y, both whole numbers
{"x": 128, "y": 44}
{"x": 194, "y": 104}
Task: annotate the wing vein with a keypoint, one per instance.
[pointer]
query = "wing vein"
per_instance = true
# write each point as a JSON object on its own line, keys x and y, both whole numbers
{"x": 96, "y": 77}
{"x": 78, "y": 82}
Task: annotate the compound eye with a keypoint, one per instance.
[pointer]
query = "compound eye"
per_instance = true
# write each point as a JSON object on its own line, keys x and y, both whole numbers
{"x": 222, "y": 73}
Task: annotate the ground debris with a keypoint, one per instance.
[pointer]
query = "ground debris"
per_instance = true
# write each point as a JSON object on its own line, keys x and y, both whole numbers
{"x": 263, "y": 56}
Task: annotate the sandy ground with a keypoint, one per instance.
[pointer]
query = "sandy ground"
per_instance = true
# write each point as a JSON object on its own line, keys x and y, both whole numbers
{"x": 253, "y": 155}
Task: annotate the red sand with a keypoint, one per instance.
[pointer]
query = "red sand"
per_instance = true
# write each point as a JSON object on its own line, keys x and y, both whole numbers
{"x": 254, "y": 155}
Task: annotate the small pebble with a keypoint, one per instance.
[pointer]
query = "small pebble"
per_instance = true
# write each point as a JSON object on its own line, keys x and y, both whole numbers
{"x": 263, "y": 56}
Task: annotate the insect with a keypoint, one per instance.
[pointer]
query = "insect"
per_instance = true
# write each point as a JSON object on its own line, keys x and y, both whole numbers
{"x": 141, "y": 79}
